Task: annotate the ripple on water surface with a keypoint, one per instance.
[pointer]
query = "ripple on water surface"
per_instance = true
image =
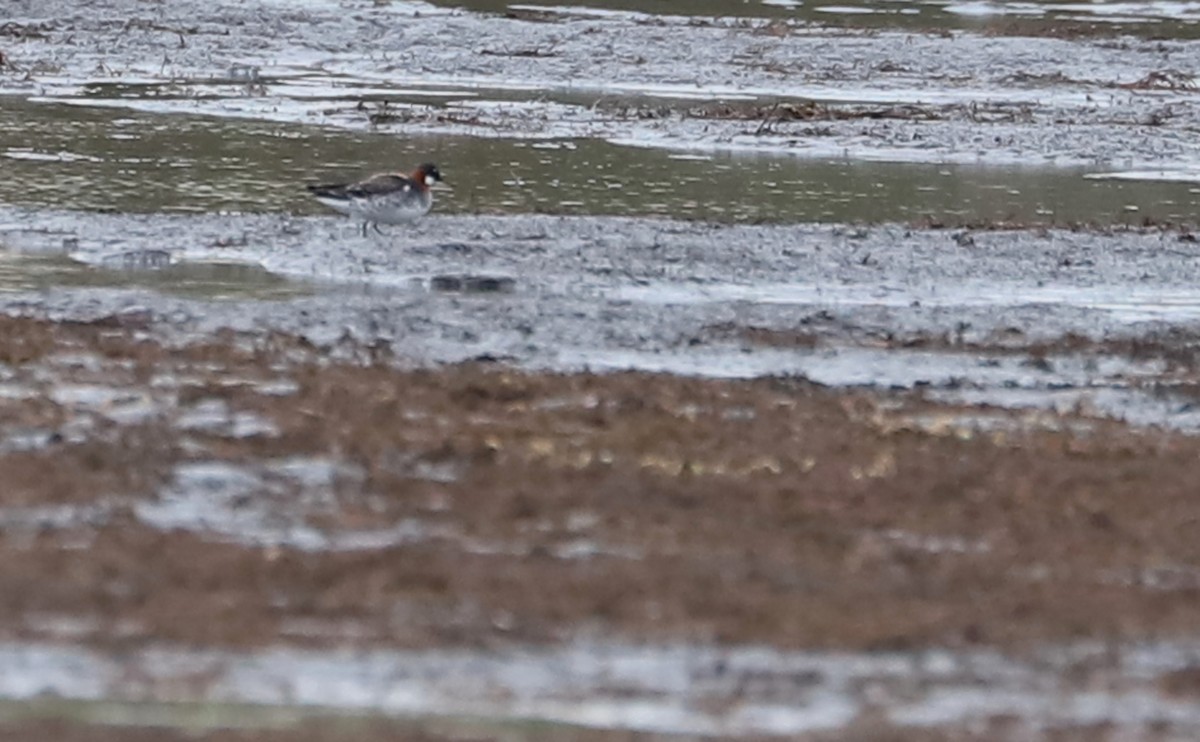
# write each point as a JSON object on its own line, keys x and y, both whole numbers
{"x": 54, "y": 155}
{"x": 1178, "y": 17}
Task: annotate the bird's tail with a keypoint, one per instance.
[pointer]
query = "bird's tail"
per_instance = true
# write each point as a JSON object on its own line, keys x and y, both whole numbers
{"x": 333, "y": 190}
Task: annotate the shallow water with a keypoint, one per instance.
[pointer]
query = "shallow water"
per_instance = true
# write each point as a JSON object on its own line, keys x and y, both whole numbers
{"x": 1176, "y": 18}
{"x": 111, "y": 159}
{"x": 1124, "y": 303}
{"x": 679, "y": 689}
{"x": 25, "y": 273}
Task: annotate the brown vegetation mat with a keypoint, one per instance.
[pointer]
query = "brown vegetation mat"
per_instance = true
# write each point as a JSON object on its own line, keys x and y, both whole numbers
{"x": 349, "y": 730}
{"x": 643, "y": 505}
{"x": 355, "y": 730}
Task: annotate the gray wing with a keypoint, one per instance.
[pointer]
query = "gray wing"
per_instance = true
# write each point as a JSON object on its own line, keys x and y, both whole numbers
{"x": 376, "y": 185}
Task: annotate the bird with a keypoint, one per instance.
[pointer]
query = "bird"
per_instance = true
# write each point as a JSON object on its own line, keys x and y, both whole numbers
{"x": 384, "y": 198}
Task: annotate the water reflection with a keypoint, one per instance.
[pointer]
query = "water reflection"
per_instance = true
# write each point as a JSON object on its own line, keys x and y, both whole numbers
{"x": 103, "y": 159}
{"x": 19, "y": 272}
{"x": 1179, "y": 19}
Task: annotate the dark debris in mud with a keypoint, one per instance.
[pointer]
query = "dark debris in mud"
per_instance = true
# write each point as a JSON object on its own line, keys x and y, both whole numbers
{"x": 763, "y": 336}
{"x": 770, "y": 114}
{"x": 532, "y": 15}
{"x": 1043, "y": 78}
{"x": 1177, "y": 347}
{"x": 812, "y": 110}
{"x": 19, "y": 31}
{"x": 1139, "y": 224}
{"x": 1059, "y": 29}
{"x": 469, "y": 284}
{"x": 781, "y": 112}
{"x": 383, "y": 113}
{"x": 1169, "y": 79}
{"x": 524, "y": 53}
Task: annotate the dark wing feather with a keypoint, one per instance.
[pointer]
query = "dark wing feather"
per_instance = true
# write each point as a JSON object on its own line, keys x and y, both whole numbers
{"x": 332, "y": 190}
{"x": 376, "y": 185}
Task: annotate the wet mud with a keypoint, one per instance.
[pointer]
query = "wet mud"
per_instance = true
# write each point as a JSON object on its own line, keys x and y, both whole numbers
{"x": 247, "y": 494}
{"x": 537, "y": 474}
{"x": 815, "y": 371}
{"x": 409, "y": 68}
{"x": 1035, "y": 319}
{"x": 326, "y": 731}
{"x": 457, "y": 731}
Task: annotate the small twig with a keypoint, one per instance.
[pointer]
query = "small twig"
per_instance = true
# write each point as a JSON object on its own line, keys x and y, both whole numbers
{"x": 767, "y": 119}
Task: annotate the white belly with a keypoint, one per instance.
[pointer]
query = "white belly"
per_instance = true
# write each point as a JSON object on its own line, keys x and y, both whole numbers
{"x": 396, "y": 211}
{"x": 396, "y": 208}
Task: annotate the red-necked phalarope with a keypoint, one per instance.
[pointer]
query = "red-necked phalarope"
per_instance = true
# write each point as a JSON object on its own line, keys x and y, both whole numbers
{"x": 386, "y": 198}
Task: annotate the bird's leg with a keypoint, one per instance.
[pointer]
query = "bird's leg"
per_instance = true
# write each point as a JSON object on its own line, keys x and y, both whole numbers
{"x": 364, "y": 229}
{"x": 377, "y": 229}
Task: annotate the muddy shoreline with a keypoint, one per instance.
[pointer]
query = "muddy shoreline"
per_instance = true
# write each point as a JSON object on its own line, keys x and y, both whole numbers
{"x": 543, "y": 473}
{"x": 412, "y": 68}
{"x": 295, "y": 509}
{"x": 651, "y": 429}
{"x": 1035, "y": 320}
